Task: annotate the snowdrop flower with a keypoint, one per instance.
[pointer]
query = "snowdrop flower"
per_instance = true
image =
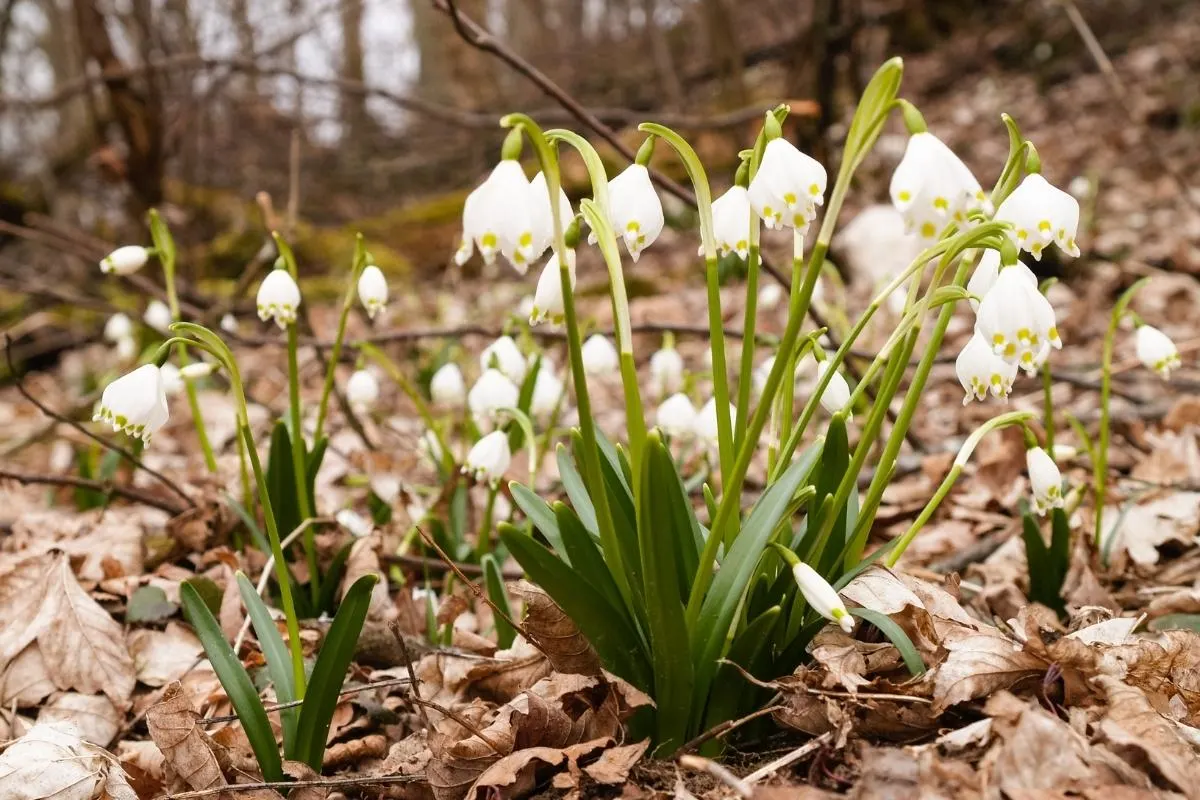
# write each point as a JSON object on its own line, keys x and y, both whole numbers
{"x": 355, "y": 524}
{"x": 504, "y": 355}
{"x": 278, "y": 298}
{"x": 788, "y": 187}
{"x": 704, "y": 426}
{"x": 666, "y": 371}
{"x": 980, "y": 371}
{"x": 731, "y": 222}
{"x": 118, "y": 327}
{"x": 135, "y": 403}
{"x": 548, "y": 297}
{"x": 362, "y": 390}
{"x": 158, "y": 316}
{"x": 822, "y": 597}
{"x": 1045, "y": 480}
{"x": 547, "y": 390}
{"x": 932, "y": 187}
{"x": 488, "y": 460}
{"x": 634, "y": 210}
{"x": 676, "y": 415}
{"x": 172, "y": 379}
{"x": 447, "y": 387}
{"x": 1156, "y": 350}
{"x": 986, "y": 272}
{"x": 837, "y": 393}
{"x": 372, "y": 290}
{"x": 1041, "y": 214}
{"x": 1017, "y": 321}
{"x": 490, "y": 393}
{"x": 599, "y": 355}
{"x": 125, "y": 260}
{"x": 229, "y": 323}
{"x": 496, "y": 215}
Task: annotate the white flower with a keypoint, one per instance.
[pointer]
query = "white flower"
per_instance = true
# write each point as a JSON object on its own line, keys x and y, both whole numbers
{"x": 125, "y": 260}
{"x": 126, "y": 348}
{"x": 788, "y": 186}
{"x": 634, "y": 210}
{"x": 704, "y": 426}
{"x": 1041, "y": 214}
{"x": 548, "y": 297}
{"x": 172, "y": 379}
{"x": 599, "y": 355}
{"x": 229, "y": 323}
{"x": 666, "y": 371}
{"x": 986, "y": 272}
{"x": 489, "y": 458}
{"x": 447, "y": 387}
{"x": 362, "y": 390}
{"x": 821, "y": 597}
{"x": 118, "y": 327}
{"x": 372, "y": 290}
{"x": 496, "y": 214}
{"x": 158, "y": 316}
{"x": 278, "y": 298}
{"x": 197, "y": 370}
{"x": 837, "y": 393}
{"x": 676, "y": 415}
{"x": 1064, "y": 453}
{"x": 357, "y": 525}
{"x": 429, "y": 447}
{"x": 504, "y": 355}
{"x": 547, "y": 390}
{"x": 1016, "y": 321}
{"x": 490, "y": 393}
{"x": 731, "y": 222}
{"x": 1044, "y": 479}
{"x": 135, "y": 403}
{"x": 932, "y": 187}
{"x": 386, "y": 487}
{"x": 1156, "y": 350}
{"x": 770, "y": 295}
{"x": 541, "y": 221}
{"x": 980, "y": 370}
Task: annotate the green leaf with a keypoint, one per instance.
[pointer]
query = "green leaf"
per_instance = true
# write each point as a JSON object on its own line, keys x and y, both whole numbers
{"x": 279, "y": 659}
{"x": 458, "y": 521}
{"x": 1060, "y": 545}
{"x": 209, "y": 592}
{"x": 256, "y": 532}
{"x": 329, "y": 673}
{"x": 584, "y": 555}
{"x": 312, "y": 465}
{"x": 542, "y": 517}
{"x": 1045, "y": 578}
{"x": 160, "y": 234}
{"x": 573, "y": 484}
{"x": 236, "y": 682}
{"x": 281, "y": 480}
{"x": 498, "y": 595}
{"x": 835, "y": 459}
{"x": 727, "y": 704}
{"x": 897, "y": 636}
{"x": 332, "y": 579}
{"x": 149, "y": 604}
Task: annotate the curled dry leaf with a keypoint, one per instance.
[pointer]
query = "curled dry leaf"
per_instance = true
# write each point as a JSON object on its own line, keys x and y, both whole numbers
{"x": 979, "y": 663}
{"x": 98, "y": 721}
{"x": 26, "y": 682}
{"x": 614, "y": 763}
{"x": 1143, "y": 737}
{"x": 188, "y": 750}
{"x": 52, "y": 762}
{"x": 163, "y": 656}
{"x": 298, "y": 770}
{"x": 555, "y": 634}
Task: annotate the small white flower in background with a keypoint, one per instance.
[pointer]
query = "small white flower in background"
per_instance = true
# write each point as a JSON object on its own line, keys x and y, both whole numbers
{"x": 822, "y": 597}
{"x": 158, "y": 316}
{"x": 135, "y": 403}
{"x": 1064, "y": 453}
{"x": 837, "y": 393}
{"x": 423, "y": 594}
{"x": 229, "y": 323}
{"x": 599, "y": 355}
{"x": 1017, "y": 321}
{"x": 788, "y": 187}
{"x": 1044, "y": 479}
{"x": 704, "y": 426}
{"x": 496, "y": 217}
{"x": 524, "y": 307}
{"x": 981, "y": 371}
{"x": 897, "y": 300}
{"x": 197, "y": 370}
{"x": 355, "y": 524}
{"x": 770, "y": 295}
{"x": 541, "y": 221}
{"x": 1156, "y": 350}
{"x": 362, "y": 390}
{"x": 125, "y": 260}
{"x": 932, "y": 187}
{"x": 172, "y": 379}
{"x": 547, "y": 390}
{"x": 501, "y": 508}
{"x": 547, "y": 362}
{"x": 504, "y": 355}
{"x": 676, "y": 416}
{"x": 386, "y": 487}
{"x": 731, "y": 222}
{"x": 118, "y": 327}
{"x": 1040, "y": 214}
{"x": 548, "y": 297}
{"x": 447, "y": 386}
{"x": 488, "y": 460}
{"x": 278, "y": 298}
{"x": 986, "y": 272}
{"x": 634, "y": 210}
{"x": 490, "y": 393}
{"x": 429, "y": 447}
{"x": 666, "y": 371}
{"x": 372, "y": 290}
{"x": 126, "y": 348}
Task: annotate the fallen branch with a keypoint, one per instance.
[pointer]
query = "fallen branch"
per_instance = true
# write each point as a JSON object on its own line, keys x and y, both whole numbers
{"x": 104, "y": 487}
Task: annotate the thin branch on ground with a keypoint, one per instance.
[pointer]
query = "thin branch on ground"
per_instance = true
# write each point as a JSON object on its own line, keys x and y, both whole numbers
{"x": 413, "y": 684}
{"x": 739, "y": 787}
{"x": 384, "y": 684}
{"x": 792, "y": 757}
{"x": 439, "y": 565}
{"x": 103, "y": 487}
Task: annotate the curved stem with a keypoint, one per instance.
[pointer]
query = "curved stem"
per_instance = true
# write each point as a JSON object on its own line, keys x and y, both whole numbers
{"x": 356, "y": 268}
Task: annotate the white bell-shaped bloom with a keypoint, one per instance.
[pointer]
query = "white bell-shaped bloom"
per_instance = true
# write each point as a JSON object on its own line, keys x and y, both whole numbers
{"x": 126, "y": 348}
{"x": 355, "y": 524}
{"x": 1156, "y": 350}
{"x": 1040, "y": 214}
{"x": 504, "y": 355}
{"x": 837, "y": 393}
{"x": 1017, "y": 321}
{"x": 981, "y": 371}
{"x": 788, "y": 187}
{"x": 731, "y": 222}
{"x": 278, "y": 298}
{"x": 932, "y": 187}
{"x": 770, "y": 295}
{"x": 676, "y": 416}
{"x": 666, "y": 371}
{"x": 172, "y": 378}
{"x": 372, "y": 290}
{"x": 362, "y": 390}
{"x": 1064, "y": 453}
{"x": 548, "y": 297}
{"x": 1044, "y": 479}
{"x": 125, "y": 260}
{"x": 197, "y": 370}
{"x": 704, "y": 426}
{"x": 447, "y": 386}
{"x": 489, "y": 458}
{"x": 229, "y": 323}
{"x": 547, "y": 391}
{"x": 135, "y": 403}
{"x": 985, "y": 274}
{"x": 158, "y": 316}
{"x": 599, "y": 355}
{"x": 821, "y": 597}
{"x": 490, "y": 393}
{"x": 634, "y": 210}
{"x": 118, "y": 327}
{"x": 541, "y": 220}
{"x": 496, "y": 218}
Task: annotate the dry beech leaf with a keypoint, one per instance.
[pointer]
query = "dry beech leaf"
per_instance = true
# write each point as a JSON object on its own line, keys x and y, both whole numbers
{"x": 342, "y": 754}
{"x": 516, "y": 774}
{"x": 188, "y": 750}
{"x": 614, "y": 763}
{"x": 979, "y": 663}
{"x": 25, "y": 681}
{"x": 145, "y": 765}
{"x": 1143, "y": 736}
{"x": 508, "y": 673}
{"x": 52, "y": 762}
{"x": 98, "y": 721}
{"x": 555, "y": 634}
{"x": 1022, "y": 764}
{"x": 163, "y": 656}
{"x": 22, "y": 596}
{"x": 298, "y": 770}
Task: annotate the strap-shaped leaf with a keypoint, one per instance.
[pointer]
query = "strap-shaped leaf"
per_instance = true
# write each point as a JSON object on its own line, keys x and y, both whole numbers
{"x": 312, "y": 462}
{"x": 897, "y": 636}
{"x": 333, "y": 579}
{"x": 256, "y": 533}
{"x": 585, "y": 555}
{"x": 279, "y": 660}
{"x": 753, "y": 639}
{"x": 573, "y": 484}
{"x": 542, "y": 517}
{"x": 281, "y": 480}
{"x": 498, "y": 595}
{"x": 236, "y": 682}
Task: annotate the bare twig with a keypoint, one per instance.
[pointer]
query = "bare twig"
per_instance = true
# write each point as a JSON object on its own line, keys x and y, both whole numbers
{"x": 740, "y": 787}
{"x": 104, "y": 487}
{"x": 413, "y": 684}
{"x": 318, "y": 783}
{"x": 440, "y": 565}
{"x": 792, "y": 757}
{"x": 729, "y": 725}
{"x": 294, "y": 703}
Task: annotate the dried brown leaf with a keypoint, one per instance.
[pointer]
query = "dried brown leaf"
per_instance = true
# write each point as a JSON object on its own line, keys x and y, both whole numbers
{"x": 26, "y": 682}
{"x": 51, "y": 762}
{"x": 1147, "y": 739}
{"x": 160, "y": 657}
{"x": 978, "y": 664}
{"x": 556, "y": 634}
{"x": 188, "y": 750}
{"x": 516, "y": 773}
{"x": 342, "y": 754}
{"x": 98, "y": 721}
{"x": 614, "y": 763}
{"x": 298, "y": 770}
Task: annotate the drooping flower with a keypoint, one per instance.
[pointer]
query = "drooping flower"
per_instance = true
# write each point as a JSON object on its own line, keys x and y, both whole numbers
{"x": 447, "y": 386}
{"x": 158, "y": 316}
{"x": 981, "y": 371}
{"x": 731, "y": 222}
{"x": 788, "y": 187}
{"x": 985, "y": 274}
{"x": 541, "y": 219}
{"x": 1040, "y": 214}
{"x": 372, "y": 290}
{"x": 197, "y": 370}
{"x": 355, "y": 524}
{"x": 504, "y": 355}
{"x": 1044, "y": 479}
{"x": 125, "y": 260}
{"x": 118, "y": 327}
{"x": 135, "y": 403}
{"x": 932, "y": 187}
{"x": 489, "y": 458}
{"x": 126, "y": 348}
{"x": 492, "y": 392}
{"x": 676, "y": 415}
{"x": 770, "y": 295}
{"x": 822, "y": 597}
{"x": 547, "y": 391}
{"x": 634, "y": 210}
{"x": 362, "y": 390}
{"x": 1017, "y": 321}
{"x": 599, "y": 355}
{"x": 229, "y": 323}
{"x": 548, "y": 297}
{"x": 172, "y": 379}
{"x": 1156, "y": 350}
{"x": 278, "y": 298}
{"x": 837, "y": 394}
{"x": 666, "y": 371}
{"x": 496, "y": 217}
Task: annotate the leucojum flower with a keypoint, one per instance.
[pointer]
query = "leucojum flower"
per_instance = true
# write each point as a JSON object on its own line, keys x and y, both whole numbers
{"x": 278, "y": 298}
{"x": 1045, "y": 480}
{"x": 447, "y": 386}
{"x": 731, "y": 222}
{"x": 492, "y": 392}
{"x": 1156, "y": 350}
{"x": 704, "y": 426}
{"x": 548, "y": 297}
{"x": 509, "y": 214}
{"x": 788, "y": 187}
{"x": 599, "y": 356}
{"x": 932, "y": 187}
{"x": 504, "y": 355}
{"x": 837, "y": 393}
{"x": 362, "y": 390}
{"x": 981, "y": 371}
{"x": 666, "y": 371}
{"x": 488, "y": 460}
{"x": 125, "y": 260}
{"x": 1017, "y": 321}
{"x": 676, "y": 415}
{"x": 135, "y": 403}
{"x": 158, "y": 316}
{"x": 118, "y": 327}
{"x": 547, "y": 391}
{"x": 1040, "y": 214}
{"x": 821, "y": 597}
{"x": 634, "y": 210}
{"x": 372, "y": 290}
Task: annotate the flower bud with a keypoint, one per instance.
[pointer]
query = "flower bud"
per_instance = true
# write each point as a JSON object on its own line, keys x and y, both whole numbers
{"x": 362, "y": 390}
{"x": 372, "y": 290}
{"x": 547, "y": 390}
{"x": 447, "y": 387}
{"x": 666, "y": 371}
{"x": 599, "y": 356}
{"x": 548, "y": 304}
{"x": 158, "y": 316}
{"x": 1156, "y": 350}
{"x": 197, "y": 370}
{"x": 1044, "y": 479}
{"x": 125, "y": 260}
{"x": 676, "y": 416}
{"x": 837, "y": 393}
{"x": 822, "y": 597}
{"x": 118, "y": 327}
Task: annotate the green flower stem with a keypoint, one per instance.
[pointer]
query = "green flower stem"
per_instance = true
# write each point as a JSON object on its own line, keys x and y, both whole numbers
{"x": 1100, "y": 462}
{"x": 1011, "y": 418}
{"x": 788, "y": 398}
{"x": 356, "y": 268}
{"x": 1048, "y": 406}
{"x": 299, "y": 462}
{"x": 746, "y": 370}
